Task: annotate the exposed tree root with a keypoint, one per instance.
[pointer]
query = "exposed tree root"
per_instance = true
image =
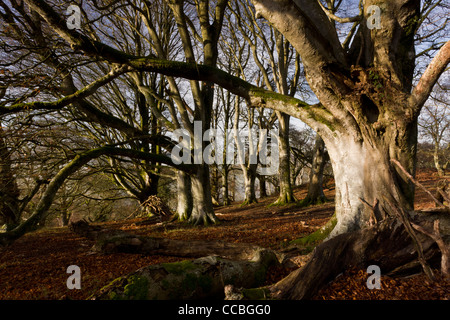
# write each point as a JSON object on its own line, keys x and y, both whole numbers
{"x": 306, "y": 202}
{"x": 283, "y": 200}
{"x": 386, "y": 244}
{"x": 248, "y": 202}
{"x": 205, "y": 219}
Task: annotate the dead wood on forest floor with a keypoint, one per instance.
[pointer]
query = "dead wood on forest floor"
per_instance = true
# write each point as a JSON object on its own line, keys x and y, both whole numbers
{"x": 387, "y": 244}
{"x": 111, "y": 241}
{"x": 34, "y": 267}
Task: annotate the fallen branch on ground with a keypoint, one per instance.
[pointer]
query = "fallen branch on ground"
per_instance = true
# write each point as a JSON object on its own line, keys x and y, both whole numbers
{"x": 387, "y": 244}
{"x": 410, "y": 177}
{"x": 402, "y": 216}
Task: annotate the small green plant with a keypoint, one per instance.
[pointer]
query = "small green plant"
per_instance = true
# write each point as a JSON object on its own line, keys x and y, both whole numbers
{"x": 375, "y": 78}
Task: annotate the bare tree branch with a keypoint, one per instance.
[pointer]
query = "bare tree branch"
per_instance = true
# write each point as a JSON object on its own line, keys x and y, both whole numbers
{"x": 410, "y": 177}
{"x": 429, "y": 78}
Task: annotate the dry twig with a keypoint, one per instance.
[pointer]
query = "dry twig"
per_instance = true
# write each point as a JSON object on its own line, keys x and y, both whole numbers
{"x": 410, "y": 177}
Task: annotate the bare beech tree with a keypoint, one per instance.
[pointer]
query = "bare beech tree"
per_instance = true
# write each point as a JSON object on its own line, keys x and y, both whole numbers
{"x": 434, "y": 123}
{"x": 369, "y": 105}
{"x": 367, "y": 115}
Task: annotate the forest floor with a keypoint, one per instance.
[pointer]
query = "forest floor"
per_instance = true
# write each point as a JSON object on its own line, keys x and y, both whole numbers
{"x": 34, "y": 267}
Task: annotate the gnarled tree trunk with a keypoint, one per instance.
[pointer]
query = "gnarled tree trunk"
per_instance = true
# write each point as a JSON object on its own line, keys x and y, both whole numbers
{"x": 387, "y": 245}
{"x": 368, "y": 107}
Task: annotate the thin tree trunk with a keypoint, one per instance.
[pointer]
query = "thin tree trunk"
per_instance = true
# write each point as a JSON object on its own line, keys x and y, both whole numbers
{"x": 315, "y": 188}
{"x": 248, "y": 169}
{"x": 262, "y": 186}
{"x": 225, "y": 185}
{"x": 286, "y": 192}
{"x": 225, "y": 166}
{"x": 249, "y": 184}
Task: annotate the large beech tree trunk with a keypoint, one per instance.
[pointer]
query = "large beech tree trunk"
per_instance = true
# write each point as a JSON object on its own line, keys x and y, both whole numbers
{"x": 368, "y": 107}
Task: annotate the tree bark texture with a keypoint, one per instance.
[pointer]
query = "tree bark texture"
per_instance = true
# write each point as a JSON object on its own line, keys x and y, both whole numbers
{"x": 203, "y": 278}
{"x": 184, "y": 194}
{"x": 367, "y": 113}
{"x": 387, "y": 245}
{"x": 202, "y": 210}
{"x": 249, "y": 184}
{"x": 315, "y": 187}
{"x": 284, "y": 171}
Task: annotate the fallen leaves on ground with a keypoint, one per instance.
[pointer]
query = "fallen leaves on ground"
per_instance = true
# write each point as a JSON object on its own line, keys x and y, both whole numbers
{"x": 34, "y": 267}
{"x": 352, "y": 285}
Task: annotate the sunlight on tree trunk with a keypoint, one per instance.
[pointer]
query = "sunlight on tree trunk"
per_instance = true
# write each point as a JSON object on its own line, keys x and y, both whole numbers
{"x": 315, "y": 188}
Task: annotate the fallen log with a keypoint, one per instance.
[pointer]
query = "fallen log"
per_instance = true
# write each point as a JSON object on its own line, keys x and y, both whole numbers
{"x": 387, "y": 244}
{"x": 111, "y": 241}
{"x": 435, "y": 234}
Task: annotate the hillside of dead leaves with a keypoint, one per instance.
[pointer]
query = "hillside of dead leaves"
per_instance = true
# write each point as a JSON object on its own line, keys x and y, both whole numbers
{"x": 34, "y": 267}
